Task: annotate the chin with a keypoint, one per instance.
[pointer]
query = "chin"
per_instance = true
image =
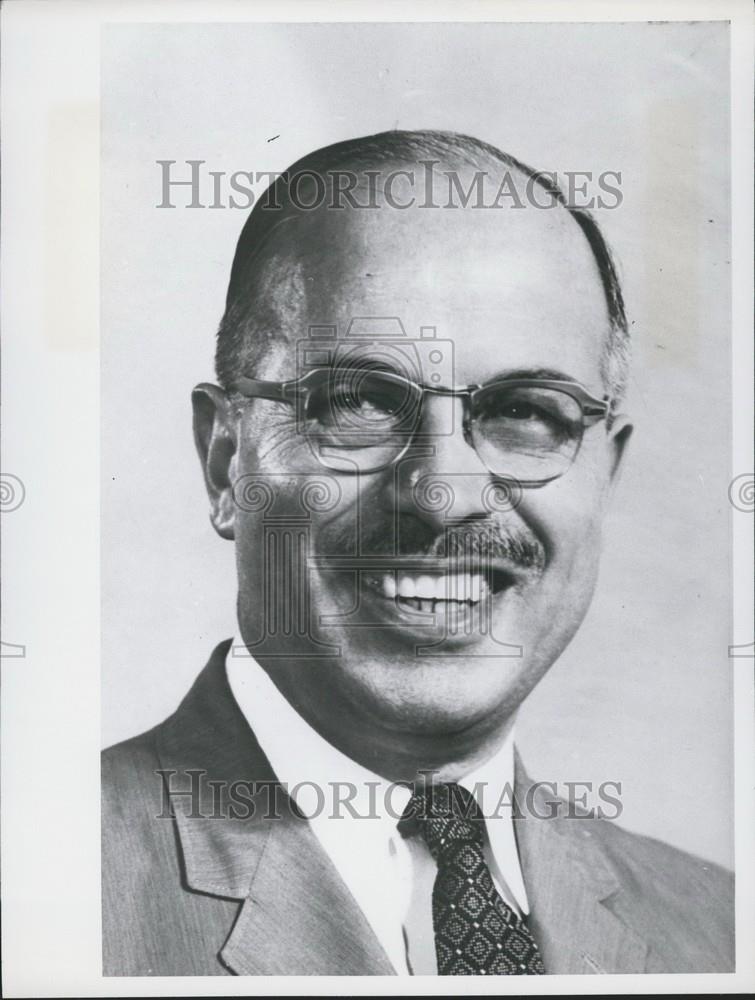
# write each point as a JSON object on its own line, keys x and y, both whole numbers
{"x": 443, "y": 695}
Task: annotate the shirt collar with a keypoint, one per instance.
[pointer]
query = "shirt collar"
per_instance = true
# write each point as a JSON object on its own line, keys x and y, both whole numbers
{"x": 324, "y": 782}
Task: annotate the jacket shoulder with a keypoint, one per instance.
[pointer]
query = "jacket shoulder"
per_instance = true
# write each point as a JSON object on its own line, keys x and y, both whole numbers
{"x": 130, "y": 771}
{"x": 683, "y": 904}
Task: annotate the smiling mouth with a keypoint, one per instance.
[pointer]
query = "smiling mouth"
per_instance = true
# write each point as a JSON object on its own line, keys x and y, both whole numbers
{"x": 440, "y": 591}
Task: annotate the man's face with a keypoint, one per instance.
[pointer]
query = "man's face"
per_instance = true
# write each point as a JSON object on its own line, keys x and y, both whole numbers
{"x": 447, "y": 644}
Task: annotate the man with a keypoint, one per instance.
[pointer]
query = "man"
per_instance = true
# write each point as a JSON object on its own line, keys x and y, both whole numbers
{"x": 413, "y": 447}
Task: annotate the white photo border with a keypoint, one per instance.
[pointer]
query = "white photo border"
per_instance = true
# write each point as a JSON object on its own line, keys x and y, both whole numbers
{"x": 51, "y": 443}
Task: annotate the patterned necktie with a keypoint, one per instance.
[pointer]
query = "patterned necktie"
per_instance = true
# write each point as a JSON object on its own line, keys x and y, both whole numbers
{"x": 476, "y": 933}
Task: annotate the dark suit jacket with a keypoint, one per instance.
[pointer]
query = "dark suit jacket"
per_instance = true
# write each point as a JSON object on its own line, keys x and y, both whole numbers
{"x": 254, "y": 895}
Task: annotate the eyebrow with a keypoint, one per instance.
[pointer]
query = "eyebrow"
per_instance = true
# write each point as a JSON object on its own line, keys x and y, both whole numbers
{"x": 539, "y": 373}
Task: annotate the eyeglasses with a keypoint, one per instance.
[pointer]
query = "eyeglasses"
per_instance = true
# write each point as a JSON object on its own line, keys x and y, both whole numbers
{"x": 360, "y": 420}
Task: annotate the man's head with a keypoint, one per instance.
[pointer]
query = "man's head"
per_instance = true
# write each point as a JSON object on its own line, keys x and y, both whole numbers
{"x": 422, "y": 600}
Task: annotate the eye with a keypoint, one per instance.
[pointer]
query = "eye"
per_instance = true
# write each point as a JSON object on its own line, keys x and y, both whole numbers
{"x": 371, "y": 399}
{"x": 360, "y": 399}
{"x": 339, "y": 399}
{"x": 529, "y": 411}
{"x": 521, "y": 411}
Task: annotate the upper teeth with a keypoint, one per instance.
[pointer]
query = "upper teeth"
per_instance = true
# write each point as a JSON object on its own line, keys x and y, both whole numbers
{"x": 456, "y": 587}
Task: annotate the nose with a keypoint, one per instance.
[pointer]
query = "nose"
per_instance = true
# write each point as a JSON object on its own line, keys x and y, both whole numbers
{"x": 441, "y": 478}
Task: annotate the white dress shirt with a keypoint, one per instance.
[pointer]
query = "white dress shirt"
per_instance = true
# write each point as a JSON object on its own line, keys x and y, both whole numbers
{"x": 354, "y": 814}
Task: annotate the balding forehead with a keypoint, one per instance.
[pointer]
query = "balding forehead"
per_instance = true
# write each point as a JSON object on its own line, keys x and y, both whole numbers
{"x": 332, "y": 254}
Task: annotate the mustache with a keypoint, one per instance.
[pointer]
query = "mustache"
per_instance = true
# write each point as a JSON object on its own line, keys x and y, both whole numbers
{"x": 484, "y": 540}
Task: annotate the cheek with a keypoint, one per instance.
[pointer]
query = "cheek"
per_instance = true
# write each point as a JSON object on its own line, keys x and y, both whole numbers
{"x": 567, "y": 516}
{"x": 287, "y": 513}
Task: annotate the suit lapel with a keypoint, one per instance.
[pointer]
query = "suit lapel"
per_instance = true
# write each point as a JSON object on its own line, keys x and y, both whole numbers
{"x": 297, "y": 916}
{"x": 571, "y": 888}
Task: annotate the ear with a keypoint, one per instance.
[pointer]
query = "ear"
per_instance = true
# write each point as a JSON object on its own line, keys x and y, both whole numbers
{"x": 618, "y": 439}
{"x": 215, "y": 439}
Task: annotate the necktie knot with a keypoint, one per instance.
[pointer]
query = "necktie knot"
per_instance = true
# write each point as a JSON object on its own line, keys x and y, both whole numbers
{"x": 446, "y": 815}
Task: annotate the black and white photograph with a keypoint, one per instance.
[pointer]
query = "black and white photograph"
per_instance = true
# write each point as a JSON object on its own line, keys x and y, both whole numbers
{"x": 411, "y": 392}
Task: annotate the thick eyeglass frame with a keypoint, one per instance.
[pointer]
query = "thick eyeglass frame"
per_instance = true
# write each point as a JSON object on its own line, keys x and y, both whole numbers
{"x": 298, "y": 391}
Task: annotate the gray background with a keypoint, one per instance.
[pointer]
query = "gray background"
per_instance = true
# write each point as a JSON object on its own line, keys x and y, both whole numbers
{"x": 643, "y": 694}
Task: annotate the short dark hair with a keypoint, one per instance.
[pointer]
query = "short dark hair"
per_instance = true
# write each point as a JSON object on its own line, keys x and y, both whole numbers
{"x": 241, "y": 341}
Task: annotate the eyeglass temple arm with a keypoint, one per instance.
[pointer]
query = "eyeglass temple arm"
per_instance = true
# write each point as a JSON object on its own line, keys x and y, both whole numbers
{"x": 259, "y": 389}
{"x": 592, "y": 414}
